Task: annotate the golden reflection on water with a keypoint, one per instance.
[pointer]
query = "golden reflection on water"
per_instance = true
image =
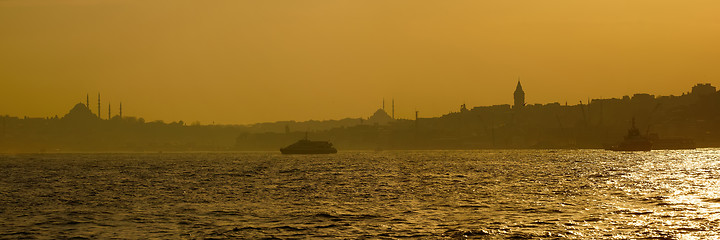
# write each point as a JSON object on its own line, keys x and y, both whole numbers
{"x": 688, "y": 184}
{"x": 575, "y": 194}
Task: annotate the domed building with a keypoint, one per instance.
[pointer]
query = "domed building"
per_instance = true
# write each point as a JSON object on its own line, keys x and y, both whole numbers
{"x": 380, "y": 117}
{"x": 80, "y": 112}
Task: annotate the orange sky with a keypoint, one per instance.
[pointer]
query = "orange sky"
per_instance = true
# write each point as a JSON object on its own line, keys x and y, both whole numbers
{"x": 236, "y": 62}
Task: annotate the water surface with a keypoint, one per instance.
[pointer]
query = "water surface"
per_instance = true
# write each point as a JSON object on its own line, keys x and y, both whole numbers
{"x": 390, "y": 194}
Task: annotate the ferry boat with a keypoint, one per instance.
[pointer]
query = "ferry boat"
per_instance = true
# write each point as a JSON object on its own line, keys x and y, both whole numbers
{"x": 305, "y": 146}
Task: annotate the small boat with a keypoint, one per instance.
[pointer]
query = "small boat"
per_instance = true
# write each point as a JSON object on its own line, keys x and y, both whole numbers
{"x": 633, "y": 141}
{"x": 305, "y": 146}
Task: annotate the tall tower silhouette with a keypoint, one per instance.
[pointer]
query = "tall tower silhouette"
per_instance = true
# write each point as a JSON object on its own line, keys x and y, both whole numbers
{"x": 109, "y": 113}
{"x": 416, "y": 118}
{"x": 120, "y": 110}
{"x": 519, "y": 96}
{"x": 87, "y": 100}
{"x": 393, "y": 109}
{"x": 99, "y": 106}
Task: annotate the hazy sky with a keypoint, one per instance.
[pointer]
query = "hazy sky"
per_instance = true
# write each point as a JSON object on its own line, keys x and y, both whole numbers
{"x": 267, "y": 60}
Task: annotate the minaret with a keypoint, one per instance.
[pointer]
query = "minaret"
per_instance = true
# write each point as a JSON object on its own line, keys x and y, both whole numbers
{"x": 120, "y": 110}
{"x": 519, "y": 96}
{"x": 416, "y": 118}
{"x": 99, "y": 106}
{"x": 393, "y": 109}
{"x": 88, "y": 101}
{"x": 383, "y": 104}
{"x": 109, "y": 116}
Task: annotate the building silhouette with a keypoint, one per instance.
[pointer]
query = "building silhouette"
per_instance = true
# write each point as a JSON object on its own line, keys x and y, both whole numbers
{"x": 380, "y": 117}
{"x": 703, "y": 89}
{"x": 80, "y": 112}
{"x": 519, "y": 96}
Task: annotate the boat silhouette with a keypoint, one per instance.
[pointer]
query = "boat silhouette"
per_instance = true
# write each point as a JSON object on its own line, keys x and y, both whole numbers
{"x": 305, "y": 146}
{"x": 634, "y": 141}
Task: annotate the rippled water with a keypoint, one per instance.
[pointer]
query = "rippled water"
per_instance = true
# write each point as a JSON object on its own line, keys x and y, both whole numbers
{"x": 413, "y": 194}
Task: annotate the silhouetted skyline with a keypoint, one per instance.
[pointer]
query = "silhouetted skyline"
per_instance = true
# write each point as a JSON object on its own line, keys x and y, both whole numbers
{"x": 239, "y": 62}
{"x": 677, "y": 121}
{"x": 383, "y": 115}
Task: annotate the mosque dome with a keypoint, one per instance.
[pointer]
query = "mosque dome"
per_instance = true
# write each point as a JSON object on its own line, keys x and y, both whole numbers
{"x": 80, "y": 111}
{"x": 380, "y": 116}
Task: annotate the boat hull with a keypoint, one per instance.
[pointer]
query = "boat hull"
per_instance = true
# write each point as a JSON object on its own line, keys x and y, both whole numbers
{"x": 305, "y": 146}
{"x": 634, "y": 149}
{"x": 631, "y": 146}
{"x": 673, "y": 144}
{"x": 308, "y": 151}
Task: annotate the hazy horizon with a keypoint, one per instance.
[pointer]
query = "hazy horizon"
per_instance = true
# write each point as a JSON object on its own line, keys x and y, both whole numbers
{"x": 244, "y": 62}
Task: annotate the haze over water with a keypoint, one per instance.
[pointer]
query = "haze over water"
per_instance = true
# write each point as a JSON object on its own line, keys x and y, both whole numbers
{"x": 390, "y": 194}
